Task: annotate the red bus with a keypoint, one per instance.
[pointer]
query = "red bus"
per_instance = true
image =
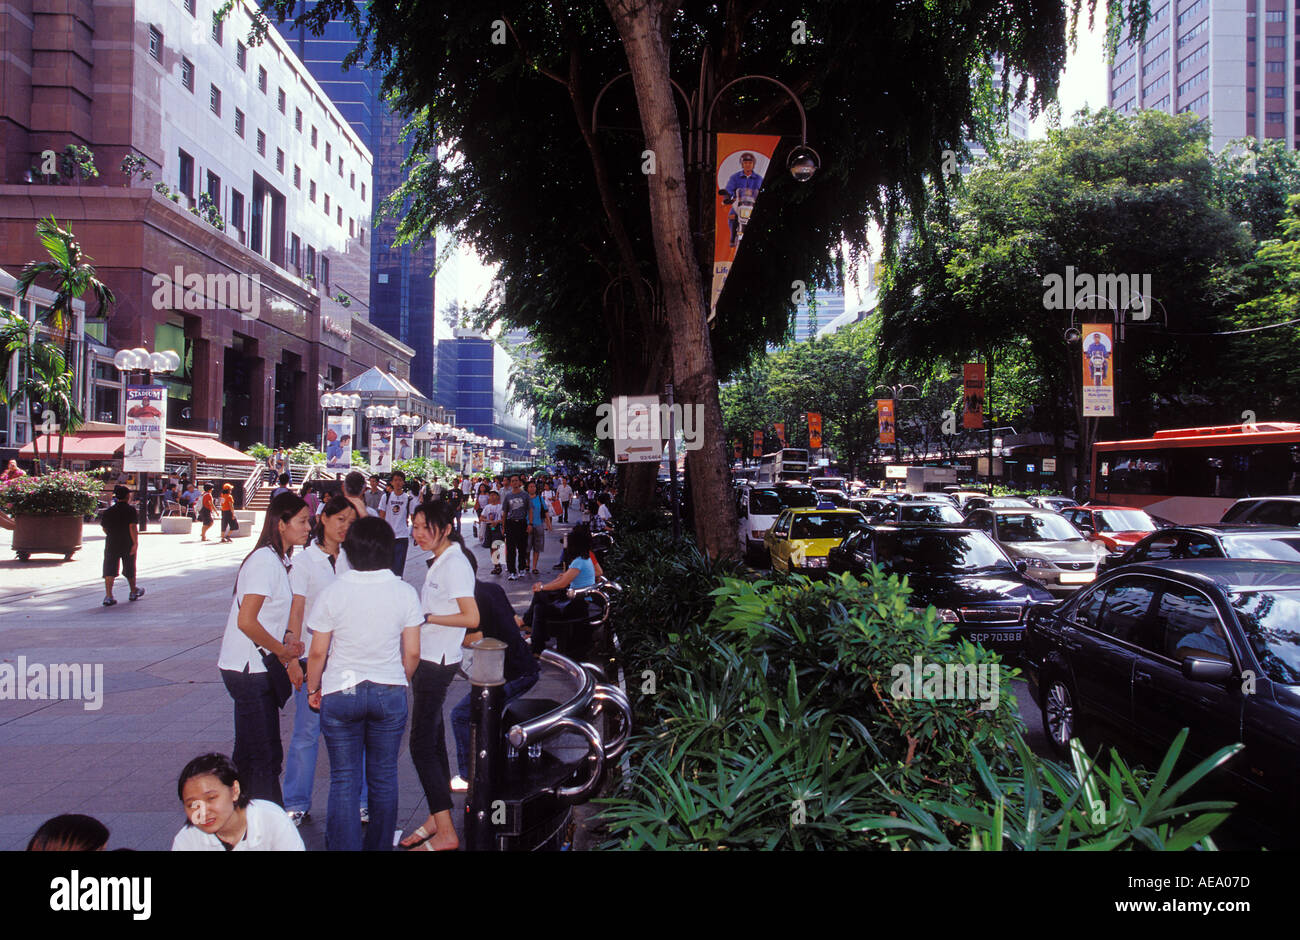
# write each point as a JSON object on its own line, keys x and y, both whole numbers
{"x": 1191, "y": 475}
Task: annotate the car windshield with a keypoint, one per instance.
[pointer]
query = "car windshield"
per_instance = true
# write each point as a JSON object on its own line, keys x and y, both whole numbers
{"x": 1009, "y": 502}
{"x": 938, "y": 552}
{"x": 764, "y": 503}
{"x": 1039, "y": 526}
{"x": 825, "y": 525}
{"x": 1124, "y": 520}
{"x": 1271, "y": 621}
{"x": 797, "y": 497}
{"x": 1260, "y": 546}
{"x": 933, "y": 512}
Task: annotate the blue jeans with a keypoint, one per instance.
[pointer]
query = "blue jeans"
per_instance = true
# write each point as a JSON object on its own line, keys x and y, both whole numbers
{"x": 460, "y": 719}
{"x": 300, "y": 762}
{"x": 366, "y": 720}
{"x": 400, "y": 547}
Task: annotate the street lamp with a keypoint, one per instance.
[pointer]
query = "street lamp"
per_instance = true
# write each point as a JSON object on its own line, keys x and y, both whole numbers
{"x": 141, "y": 363}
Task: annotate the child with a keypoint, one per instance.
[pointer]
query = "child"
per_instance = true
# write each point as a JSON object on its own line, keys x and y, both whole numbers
{"x": 207, "y": 512}
{"x": 228, "y": 522}
{"x": 494, "y": 528}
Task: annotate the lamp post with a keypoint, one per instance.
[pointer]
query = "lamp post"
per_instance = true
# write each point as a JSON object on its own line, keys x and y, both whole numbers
{"x": 141, "y": 363}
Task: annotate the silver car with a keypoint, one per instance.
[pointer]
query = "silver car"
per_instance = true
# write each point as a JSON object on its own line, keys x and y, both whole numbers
{"x": 1055, "y": 552}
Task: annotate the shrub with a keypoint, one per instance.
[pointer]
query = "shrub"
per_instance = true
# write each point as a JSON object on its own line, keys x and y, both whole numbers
{"x": 259, "y": 451}
{"x": 59, "y": 493}
{"x": 305, "y": 453}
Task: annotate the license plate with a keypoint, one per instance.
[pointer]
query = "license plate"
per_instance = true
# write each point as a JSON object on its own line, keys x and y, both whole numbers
{"x": 999, "y": 637}
{"x": 1081, "y": 578}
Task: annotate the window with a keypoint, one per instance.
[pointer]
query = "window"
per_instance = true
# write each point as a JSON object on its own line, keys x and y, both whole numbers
{"x": 190, "y": 7}
{"x": 279, "y": 159}
{"x": 363, "y": 236}
{"x": 283, "y": 101}
{"x": 311, "y": 190}
{"x": 214, "y": 100}
{"x": 1114, "y": 73}
{"x": 339, "y": 220}
{"x": 186, "y": 181}
{"x": 311, "y": 262}
{"x": 1191, "y": 59}
{"x": 261, "y": 143}
{"x": 340, "y": 167}
{"x": 327, "y": 152}
{"x": 1157, "y": 39}
{"x": 352, "y": 180}
{"x": 1190, "y": 36}
{"x": 218, "y": 29}
{"x": 1200, "y": 5}
{"x": 1274, "y": 67}
{"x": 239, "y": 122}
{"x": 1202, "y": 102}
{"x": 327, "y": 203}
{"x": 1161, "y": 82}
{"x": 324, "y": 272}
{"x": 187, "y": 73}
{"x": 1272, "y": 117}
{"x": 1198, "y": 79}
{"x": 297, "y": 119}
{"x": 363, "y": 191}
{"x": 352, "y": 228}
{"x": 1156, "y": 548}
{"x": 1155, "y": 63}
{"x": 1125, "y": 608}
{"x": 261, "y": 79}
{"x": 155, "y": 43}
{"x": 1191, "y": 627}
{"x": 294, "y": 245}
{"x": 214, "y": 189}
{"x": 1275, "y": 42}
{"x": 313, "y": 135}
{"x": 1125, "y": 87}
{"x": 1161, "y": 104}
{"x": 1275, "y": 16}
{"x": 241, "y": 55}
{"x": 1275, "y": 92}
{"x": 297, "y": 176}
{"x": 236, "y": 219}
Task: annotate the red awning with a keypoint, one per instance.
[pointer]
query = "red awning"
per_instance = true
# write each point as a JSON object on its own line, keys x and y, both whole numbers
{"x": 90, "y": 445}
{"x": 107, "y": 445}
{"x": 207, "y": 448}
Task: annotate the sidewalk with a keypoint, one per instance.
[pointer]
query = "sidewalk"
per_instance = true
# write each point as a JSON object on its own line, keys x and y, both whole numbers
{"x": 163, "y": 701}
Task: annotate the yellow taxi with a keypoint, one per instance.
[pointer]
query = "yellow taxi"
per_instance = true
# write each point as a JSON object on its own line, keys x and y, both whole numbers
{"x": 801, "y": 539}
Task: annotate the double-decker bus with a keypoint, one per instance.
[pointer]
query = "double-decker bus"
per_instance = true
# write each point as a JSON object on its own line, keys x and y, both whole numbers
{"x": 1191, "y": 475}
{"x": 789, "y": 463}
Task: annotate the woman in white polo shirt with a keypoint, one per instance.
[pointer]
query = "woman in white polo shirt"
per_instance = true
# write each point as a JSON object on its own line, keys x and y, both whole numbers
{"x": 450, "y": 610}
{"x": 220, "y": 816}
{"x": 259, "y": 620}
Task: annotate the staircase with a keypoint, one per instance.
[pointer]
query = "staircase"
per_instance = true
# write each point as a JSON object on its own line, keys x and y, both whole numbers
{"x": 298, "y": 474}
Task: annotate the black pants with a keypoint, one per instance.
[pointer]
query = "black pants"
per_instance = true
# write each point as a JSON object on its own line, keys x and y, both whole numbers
{"x": 258, "y": 753}
{"x": 517, "y": 545}
{"x": 552, "y": 614}
{"x": 428, "y": 736}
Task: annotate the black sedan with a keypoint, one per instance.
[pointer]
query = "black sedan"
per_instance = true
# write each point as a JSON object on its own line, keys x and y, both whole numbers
{"x": 1216, "y": 540}
{"x": 963, "y": 573}
{"x": 1209, "y": 644}
{"x": 918, "y": 511}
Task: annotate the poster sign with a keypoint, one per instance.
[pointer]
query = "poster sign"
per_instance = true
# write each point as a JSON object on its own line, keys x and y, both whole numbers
{"x": 338, "y": 442}
{"x": 885, "y": 418}
{"x": 637, "y": 435}
{"x": 453, "y": 455}
{"x": 1098, "y": 371}
{"x": 814, "y": 430}
{"x": 403, "y": 444}
{"x": 146, "y": 429}
{"x": 742, "y": 163}
{"x": 381, "y": 450}
{"x": 780, "y": 432}
{"x": 758, "y": 443}
{"x": 972, "y": 418}
{"x": 895, "y": 473}
{"x": 1049, "y": 464}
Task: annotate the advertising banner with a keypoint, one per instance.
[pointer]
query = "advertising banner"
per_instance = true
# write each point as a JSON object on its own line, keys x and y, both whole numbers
{"x": 885, "y": 418}
{"x": 972, "y": 418}
{"x": 742, "y": 163}
{"x": 814, "y": 430}
{"x": 381, "y": 450}
{"x": 403, "y": 444}
{"x": 780, "y": 432}
{"x": 338, "y": 442}
{"x": 637, "y": 434}
{"x": 438, "y": 450}
{"x": 453, "y": 455}
{"x": 146, "y": 429}
{"x": 1098, "y": 371}
{"x": 758, "y": 443}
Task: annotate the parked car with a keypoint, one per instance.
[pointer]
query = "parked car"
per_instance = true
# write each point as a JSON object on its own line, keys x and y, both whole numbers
{"x": 1118, "y": 528}
{"x": 1268, "y": 510}
{"x": 962, "y": 572}
{"x": 995, "y": 502}
{"x": 1215, "y": 540}
{"x": 1054, "y": 503}
{"x": 961, "y": 497}
{"x": 800, "y": 539}
{"x": 830, "y": 483}
{"x": 836, "y": 497}
{"x": 931, "y": 511}
{"x": 757, "y": 508}
{"x": 868, "y": 505}
{"x": 1208, "y": 644}
{"x": 1057, "y": 553}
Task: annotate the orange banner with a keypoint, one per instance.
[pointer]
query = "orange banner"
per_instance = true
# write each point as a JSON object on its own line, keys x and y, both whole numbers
{"x": 814, "y": 430}
{"x": 972, "y": 418}
{"x": 758, "y": 443}
{"x": 1098, "y": 370}
{"x": 780, "y": 432}
{"x": 742, "y": 163}
{"x": 885, "y": 418}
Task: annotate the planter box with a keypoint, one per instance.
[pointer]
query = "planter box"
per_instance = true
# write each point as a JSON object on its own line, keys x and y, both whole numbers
{"x": 247, "y": 519}
{"x": 178, "y": 525}
{"x": 47, "y": 535}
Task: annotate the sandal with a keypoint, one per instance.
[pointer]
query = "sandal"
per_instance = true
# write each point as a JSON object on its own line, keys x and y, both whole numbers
{"x": 424, "y": 835}
{"x": 109, "y": 601}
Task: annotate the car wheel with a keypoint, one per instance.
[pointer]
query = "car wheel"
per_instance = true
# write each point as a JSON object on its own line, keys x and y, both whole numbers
{"x": 1060, "y": 716}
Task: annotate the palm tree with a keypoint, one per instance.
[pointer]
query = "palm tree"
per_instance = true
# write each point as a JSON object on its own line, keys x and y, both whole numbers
{"x": 45, "y": 378}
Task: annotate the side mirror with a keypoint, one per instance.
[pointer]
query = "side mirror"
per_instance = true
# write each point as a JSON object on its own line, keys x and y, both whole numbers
{"x": 1208, "y": 670}
{"x": 1021, "y": 565}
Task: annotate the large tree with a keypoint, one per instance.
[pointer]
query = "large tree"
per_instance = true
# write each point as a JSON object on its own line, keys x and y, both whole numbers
{"x": 534, "y": 187}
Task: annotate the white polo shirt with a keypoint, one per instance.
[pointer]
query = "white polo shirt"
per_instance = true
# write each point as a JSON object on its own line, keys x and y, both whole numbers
{"x": 311, "y": 574}
{"x": 268, "y": 829}
{"x": 449, "y": 577}
{"x": 366, "y": 612}
{"x": 396, "y": 509}
{"x": 263, "y": 573}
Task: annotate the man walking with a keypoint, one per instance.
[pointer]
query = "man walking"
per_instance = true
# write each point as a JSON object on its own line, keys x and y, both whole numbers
{"x": 564, "y": 493}
{"x": 396, "y": 507}
{"x": 121, "y": 539}
{"x": 515, "y": 507}
{"x": 374, "y": 494}
{"x": 283, "y": 487}
{"x": 539, "y": 519}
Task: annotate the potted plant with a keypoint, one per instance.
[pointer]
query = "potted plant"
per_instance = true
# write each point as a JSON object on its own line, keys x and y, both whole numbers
{"x": 48, "y": 510}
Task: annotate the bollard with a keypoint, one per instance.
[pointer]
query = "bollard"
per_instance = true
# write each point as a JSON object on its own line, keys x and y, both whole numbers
{"x": 487, "y": 698}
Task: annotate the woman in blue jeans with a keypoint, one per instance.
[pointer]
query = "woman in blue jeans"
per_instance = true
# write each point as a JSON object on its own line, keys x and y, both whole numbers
{"x": 365, "y": 646}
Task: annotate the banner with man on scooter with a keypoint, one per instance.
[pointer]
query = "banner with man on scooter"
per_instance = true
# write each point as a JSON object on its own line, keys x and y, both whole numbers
{"x": 1098, "y": 370}
{"x": 742, "y": 163}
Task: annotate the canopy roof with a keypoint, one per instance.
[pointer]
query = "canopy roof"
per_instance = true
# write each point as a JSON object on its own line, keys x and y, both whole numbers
{"x": 377, "y": 382}
{"x": 105, "y": 442}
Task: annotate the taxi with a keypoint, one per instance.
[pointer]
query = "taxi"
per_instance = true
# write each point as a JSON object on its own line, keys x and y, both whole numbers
{"x": 801, "y": 539}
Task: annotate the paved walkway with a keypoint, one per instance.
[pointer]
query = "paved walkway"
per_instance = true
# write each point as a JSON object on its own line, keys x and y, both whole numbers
{"x": 163, "y": 701}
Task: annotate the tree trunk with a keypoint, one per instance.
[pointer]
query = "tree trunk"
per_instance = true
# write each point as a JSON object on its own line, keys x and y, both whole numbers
{"x": 642, "y": 24}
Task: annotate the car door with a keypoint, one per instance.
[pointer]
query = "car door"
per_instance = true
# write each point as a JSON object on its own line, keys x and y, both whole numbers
{"x": 1158, "y": 547}
{"x": 1102, "y": 654}
{"x": 780, "y": 542}
{"x": 838, "y": 559}
{"x": 1185, "y": 623}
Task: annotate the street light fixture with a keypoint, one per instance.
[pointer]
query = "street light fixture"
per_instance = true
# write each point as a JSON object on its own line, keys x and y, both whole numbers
{"x": 144, "y": 363}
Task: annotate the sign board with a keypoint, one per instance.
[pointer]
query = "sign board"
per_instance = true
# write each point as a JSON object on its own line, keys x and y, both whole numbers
{"x": 814, "y": 430}
{"x": 636, "y": 429}
{"x": 146, "y": 429}
{"x": 381, "y": 449}
{"x": 885, "y": 419}
{"x": 972, "y": 418}
{"x": 780, "y": 432}
{"x": 338, "y": 442}
{"x": 895, "y": 473}
{"x": 742, "y": 163}
{"x": 1029, "y": 468}
{"x": 1049, "y": 464}
{"x": 403, "y": 444}
{"x": 1098, "y": 371}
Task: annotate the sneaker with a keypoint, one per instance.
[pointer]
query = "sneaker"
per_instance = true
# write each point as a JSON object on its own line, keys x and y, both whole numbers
{"x": 298, "y": 817}
{"x": 459, "y": 784}
{"x": 365, "y": 815}
{"x": 513, "y": 577}
{"x": 109, "y": 602}
{"x": 136, "y": 594}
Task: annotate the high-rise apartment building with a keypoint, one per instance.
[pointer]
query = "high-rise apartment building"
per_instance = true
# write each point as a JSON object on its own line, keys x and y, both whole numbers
{"x": 1232, "y": 61}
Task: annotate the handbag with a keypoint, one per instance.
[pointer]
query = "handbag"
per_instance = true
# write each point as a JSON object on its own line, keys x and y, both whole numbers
{"x": 281, "y": 687}
{"x": 234, "y": 522}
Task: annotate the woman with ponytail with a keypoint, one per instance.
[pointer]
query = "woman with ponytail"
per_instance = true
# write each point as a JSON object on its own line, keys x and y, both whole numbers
{"x": 450, "y": 610}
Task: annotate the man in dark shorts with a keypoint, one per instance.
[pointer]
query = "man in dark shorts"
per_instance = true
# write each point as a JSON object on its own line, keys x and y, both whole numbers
{"x": 121, "y": 539}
